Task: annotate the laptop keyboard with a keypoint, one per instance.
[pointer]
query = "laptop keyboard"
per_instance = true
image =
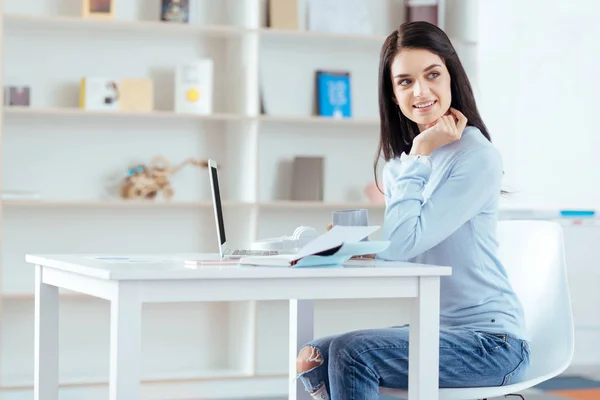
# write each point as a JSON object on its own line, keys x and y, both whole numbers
{"x": 251, "y": 252}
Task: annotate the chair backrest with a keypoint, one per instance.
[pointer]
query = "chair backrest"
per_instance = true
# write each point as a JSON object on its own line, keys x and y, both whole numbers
{"x": 533, "y": 255}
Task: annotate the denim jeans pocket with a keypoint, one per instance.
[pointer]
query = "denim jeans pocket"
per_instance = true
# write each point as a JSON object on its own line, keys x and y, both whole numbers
{"x": 518, "y": 372}
{"x": 491, "y": 342}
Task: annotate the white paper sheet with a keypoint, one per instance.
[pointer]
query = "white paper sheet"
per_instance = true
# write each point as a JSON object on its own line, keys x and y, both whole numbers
{"x": 335, "y": 237}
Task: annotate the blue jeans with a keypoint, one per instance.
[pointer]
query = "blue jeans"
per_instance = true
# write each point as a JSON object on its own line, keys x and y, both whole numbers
{"x": 354, "y": 365}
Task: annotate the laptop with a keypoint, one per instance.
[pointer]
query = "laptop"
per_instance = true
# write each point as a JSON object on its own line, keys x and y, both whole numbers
{"x": 224, "y": 250}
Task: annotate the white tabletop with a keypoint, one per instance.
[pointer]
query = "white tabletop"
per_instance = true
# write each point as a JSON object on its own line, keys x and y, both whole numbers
{"x": 172, "y": 266}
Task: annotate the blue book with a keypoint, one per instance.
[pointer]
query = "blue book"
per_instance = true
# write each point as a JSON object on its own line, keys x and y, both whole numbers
{"x": 333, "y": 94}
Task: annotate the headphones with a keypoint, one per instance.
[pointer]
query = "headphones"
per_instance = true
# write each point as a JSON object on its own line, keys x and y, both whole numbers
{"x": 301, "y": 236}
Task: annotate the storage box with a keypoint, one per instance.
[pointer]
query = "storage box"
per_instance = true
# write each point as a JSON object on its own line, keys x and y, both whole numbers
{"x": 283, "y": 14}
{"x": 98, "y": 8}
{"x": 136, "y": 95}
{"x": 17, "y": 96}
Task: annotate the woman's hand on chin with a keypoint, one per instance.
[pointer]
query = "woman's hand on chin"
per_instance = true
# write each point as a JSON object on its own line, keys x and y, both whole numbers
{"x": 447, "y": 129}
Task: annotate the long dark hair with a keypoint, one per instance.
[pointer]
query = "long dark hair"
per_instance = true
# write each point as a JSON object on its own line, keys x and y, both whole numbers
{"x": 397, "y": 131}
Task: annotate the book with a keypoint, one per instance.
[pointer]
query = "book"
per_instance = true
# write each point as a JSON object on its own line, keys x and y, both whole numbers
{"x": 194, "y": 87}
{"x": 332, "y": 248}
{"x": 175, "y": 11}
{"x": 333, "y": 94}
{"x": 99, "y": 94}
{"x": 307, "y": 178}
{"x": 422, "y": 11}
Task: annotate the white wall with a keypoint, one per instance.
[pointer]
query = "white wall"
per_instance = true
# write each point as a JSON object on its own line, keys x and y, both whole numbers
{"x": 538, "y": 93}
{"x": 536, "y": 63}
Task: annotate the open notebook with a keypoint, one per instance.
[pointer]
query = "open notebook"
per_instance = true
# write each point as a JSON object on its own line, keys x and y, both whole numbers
{"x": 331, "y": 248}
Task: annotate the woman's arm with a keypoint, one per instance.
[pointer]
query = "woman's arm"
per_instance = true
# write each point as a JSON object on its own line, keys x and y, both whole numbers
{"x": 414, "y": 226}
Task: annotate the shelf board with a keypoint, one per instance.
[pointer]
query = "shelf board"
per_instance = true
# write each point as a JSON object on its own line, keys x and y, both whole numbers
{"x": 163, "y": 203}
{"x": 312, "y": 35}
{"x": 100, "y": 203}
{"x": 119, "y": 203}
{"x": 317, "y": 120}
{"x": 290, "y": 204}
{"x": 278, "y": 204}
{"x": 73, "y": 112}
{"x": 67, "y": 112}
{"x": 23, "y": 383}
{"x": 29, "y": 21}
{"x": 32, "y": 21}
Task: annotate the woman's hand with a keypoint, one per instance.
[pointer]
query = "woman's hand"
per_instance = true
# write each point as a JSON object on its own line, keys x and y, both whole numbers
{"x": 447, "y": 129}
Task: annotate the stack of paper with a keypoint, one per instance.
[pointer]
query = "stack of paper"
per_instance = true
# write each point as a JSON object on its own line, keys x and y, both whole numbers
{"x": 332, "y": 248}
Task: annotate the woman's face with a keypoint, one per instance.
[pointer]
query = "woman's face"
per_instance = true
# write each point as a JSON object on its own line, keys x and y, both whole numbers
{"x": 421, "y": 85}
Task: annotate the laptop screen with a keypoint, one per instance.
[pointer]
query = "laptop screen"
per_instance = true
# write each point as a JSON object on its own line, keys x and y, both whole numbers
{"x": 217, "y": 204}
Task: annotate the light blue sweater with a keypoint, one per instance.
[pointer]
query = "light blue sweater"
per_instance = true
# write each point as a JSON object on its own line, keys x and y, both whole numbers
{"x": 446, "y": 214}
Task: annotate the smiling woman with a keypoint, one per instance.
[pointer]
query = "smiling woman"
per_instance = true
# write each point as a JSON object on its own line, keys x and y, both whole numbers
{"x": 422, "y": 94}
{"x": 442, "y": 187}
{"x": 419, "y": 66}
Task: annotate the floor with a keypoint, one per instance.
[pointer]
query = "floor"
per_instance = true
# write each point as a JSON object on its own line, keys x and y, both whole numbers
{"x": 561, "y": 388}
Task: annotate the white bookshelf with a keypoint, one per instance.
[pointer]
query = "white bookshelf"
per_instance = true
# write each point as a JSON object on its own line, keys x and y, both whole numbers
{"x": 67, "y": 154}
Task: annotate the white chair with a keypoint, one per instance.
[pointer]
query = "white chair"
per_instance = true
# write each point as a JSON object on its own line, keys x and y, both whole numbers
{"x": 533, "y": 254}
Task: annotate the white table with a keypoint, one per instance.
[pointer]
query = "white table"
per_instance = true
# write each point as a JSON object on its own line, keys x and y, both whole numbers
{"x": 169, "y": 280}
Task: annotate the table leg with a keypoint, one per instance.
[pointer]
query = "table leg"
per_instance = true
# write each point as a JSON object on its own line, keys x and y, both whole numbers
{"x": 424, "y": 341}
{"x": 46, "y": 339}
{"x": 125, "y": 343}
{"x": 301, "y": 331}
